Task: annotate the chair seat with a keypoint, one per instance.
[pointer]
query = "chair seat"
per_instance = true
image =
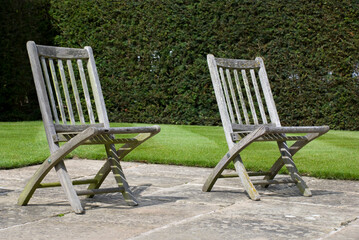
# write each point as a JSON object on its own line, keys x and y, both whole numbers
{"x": 268, "y": 137}
{"x": 98, "y": 139}
{"x": 105, "y": 135}
{"x": 278, "y": 133}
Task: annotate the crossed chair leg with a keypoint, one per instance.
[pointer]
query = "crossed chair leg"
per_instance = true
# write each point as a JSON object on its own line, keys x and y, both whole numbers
{"x": 111, "y": 164}
{"x": 233, "y": 155}
{"x": 284, "y": 160}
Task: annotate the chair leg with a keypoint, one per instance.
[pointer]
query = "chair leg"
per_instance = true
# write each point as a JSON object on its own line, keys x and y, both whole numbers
{"x": 56, "y": 160}
{"x": 34, "y": 182}
{"x": 121, "y": 153}
{"x": 233, "y": 155}
{"x": 40, "y": 174}
{"x": 293, "y": 171}
{"x": 120, "y": 176}
{"x": 246, "y": 182}
{"x": 277, "y": 166}
{"x": 68, "y": 187}
{"x": 100, "y": 177}
{"x": 113, "y": 164}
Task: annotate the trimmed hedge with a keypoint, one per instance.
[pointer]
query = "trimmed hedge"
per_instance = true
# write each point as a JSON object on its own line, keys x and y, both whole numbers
{"x": 21, "y": 20}
{"x": 151, "y": 55}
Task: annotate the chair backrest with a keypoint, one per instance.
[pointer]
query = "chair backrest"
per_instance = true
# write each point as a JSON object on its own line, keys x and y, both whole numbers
{"x": 65, "y": 97}
{"x": 244, "y": 104}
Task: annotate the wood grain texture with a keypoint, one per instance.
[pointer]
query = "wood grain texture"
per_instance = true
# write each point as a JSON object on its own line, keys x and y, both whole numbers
{"x": 236, "y": 63}
{"x": 57, "y": 91}
{"x": 66, "y": 91}
{"x": 49, "y": 89}
{"x": 258, "y": 97}
{"x": 241, "y": 98}
{"x": 73, "y": 135}
{"x": 74, "y": 182}
{"x": 241, "y": 134}
{"x": 96, "y": 89}
{"x": 61, "y": 52}
{"x": 86, "y": 91}
{"x": 60, "y": 128}
{"x": 68, "y": 188}
{"x": 233, "y": 95}
{"x": 229, "y": 157}
{"x": 75, "y": 91}
{"x": 120, "y": 175}
{"x": 268, "y": 96}
{"x": 292, "y": 169}
{"x": 220, "y": 98}
{"x": 249, "y": 96}
{"x": 51, "y": 162}
{"x": 226, "y": 94}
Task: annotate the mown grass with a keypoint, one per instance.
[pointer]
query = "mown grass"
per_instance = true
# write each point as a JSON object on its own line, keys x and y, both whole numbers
{"x": 334, "y": 155}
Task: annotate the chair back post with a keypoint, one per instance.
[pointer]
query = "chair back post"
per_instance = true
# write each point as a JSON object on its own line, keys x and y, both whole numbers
{"x": 42, "y": 94}
{"x": 268, "y": 95}
{"x": 96, "y": 89}
{"x": 226, "y": 122}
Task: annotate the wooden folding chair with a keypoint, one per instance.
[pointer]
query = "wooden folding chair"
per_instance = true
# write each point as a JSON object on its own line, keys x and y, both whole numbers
{"x": 244, "y": 108}
{"x": 71, "y": 128}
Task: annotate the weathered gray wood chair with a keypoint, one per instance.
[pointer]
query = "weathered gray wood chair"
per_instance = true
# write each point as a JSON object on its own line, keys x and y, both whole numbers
{"x": 72, "y": 129}
{"x": 249, "y": 114}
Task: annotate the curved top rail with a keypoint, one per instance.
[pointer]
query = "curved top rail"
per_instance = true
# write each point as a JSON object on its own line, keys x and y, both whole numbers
{"x": 237, "y": 63}
{"x": 61, "y": 52}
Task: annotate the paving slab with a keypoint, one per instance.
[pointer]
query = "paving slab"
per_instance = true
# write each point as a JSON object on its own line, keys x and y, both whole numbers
{"x": 172, "y": 206}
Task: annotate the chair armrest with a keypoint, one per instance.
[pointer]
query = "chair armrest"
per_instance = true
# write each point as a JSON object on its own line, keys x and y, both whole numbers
{"x": 123, "y": 130}
{"x": 295, "y": 129}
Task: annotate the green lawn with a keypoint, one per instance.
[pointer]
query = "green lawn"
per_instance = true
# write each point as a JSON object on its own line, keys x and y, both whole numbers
{"x": 334, "y": 155}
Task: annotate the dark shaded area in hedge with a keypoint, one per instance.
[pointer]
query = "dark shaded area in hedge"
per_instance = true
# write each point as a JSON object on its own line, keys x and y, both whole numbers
{"x": 20, "y": 20}
{"x": 151, "y": 55}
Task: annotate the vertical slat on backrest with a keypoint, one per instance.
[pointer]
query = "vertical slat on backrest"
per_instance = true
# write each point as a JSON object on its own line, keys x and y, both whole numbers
{"x": 86, "y": 91}
{"x": 249, "y": 96}
{"x": 258, "y": 96}
{"x": 226, "y": 94}
{"x": 66, "y": 91}
{"x": 268, "y": 96}
{"x": 57, "y": 90}
{"x": 96, "y": 89}
{"x": 75, "y": 91}
{"x": 239, "y": 89}
{"x": 229, "y": 79}
{"x": 49, "y": 89}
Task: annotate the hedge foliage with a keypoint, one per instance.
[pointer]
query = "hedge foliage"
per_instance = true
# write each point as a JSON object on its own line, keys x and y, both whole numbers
{"x": 21, "y": 20}
{"x": 151, "y": 55}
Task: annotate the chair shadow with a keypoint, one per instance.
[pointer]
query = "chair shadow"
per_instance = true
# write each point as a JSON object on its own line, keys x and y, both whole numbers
{"x": 282, "y": 191}
{"x": 4, "y": 191}
{"x": 292, "y": 191}
{"x": 116, "y": 200}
